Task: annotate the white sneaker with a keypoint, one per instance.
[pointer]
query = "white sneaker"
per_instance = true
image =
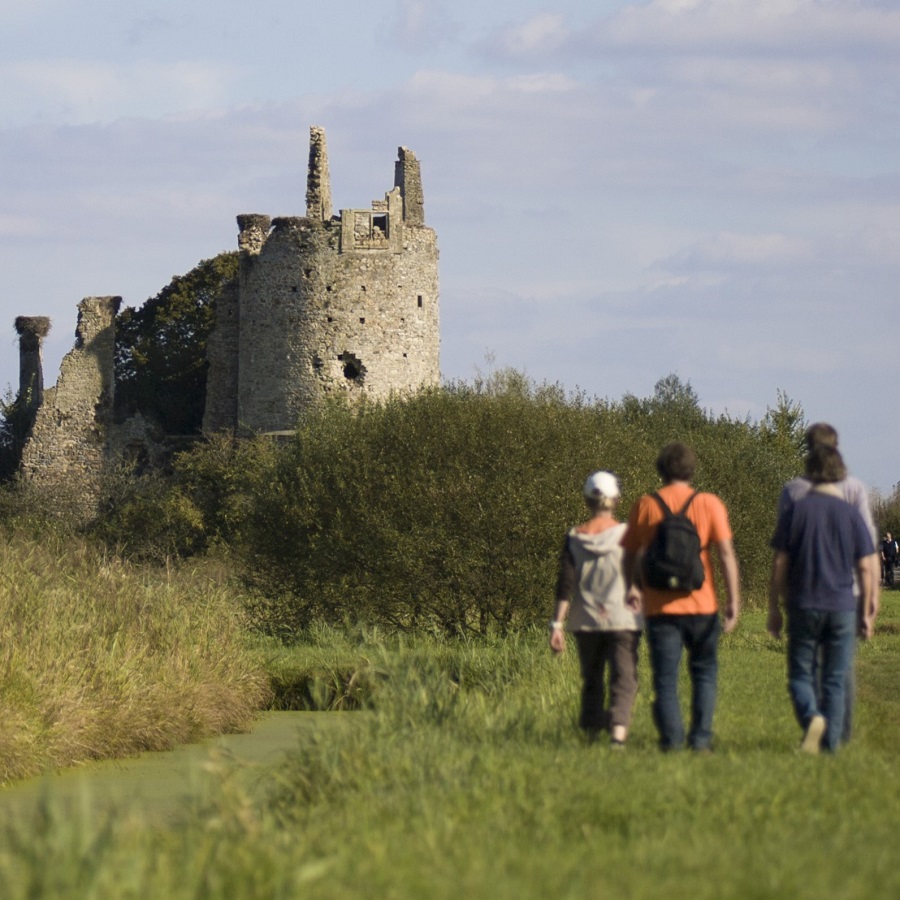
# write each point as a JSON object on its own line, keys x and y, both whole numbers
{"x": 812, "y": 740}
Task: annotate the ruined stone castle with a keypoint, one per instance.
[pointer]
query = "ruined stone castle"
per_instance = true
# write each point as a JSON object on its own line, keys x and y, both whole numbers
{"x": 323, "y": 304}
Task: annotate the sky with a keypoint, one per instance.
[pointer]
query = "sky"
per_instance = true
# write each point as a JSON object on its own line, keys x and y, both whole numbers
{"x": 621, "y": 190}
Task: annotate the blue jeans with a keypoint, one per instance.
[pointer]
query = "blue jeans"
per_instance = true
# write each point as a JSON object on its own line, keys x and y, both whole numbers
{"x": 833, "y": 634}
{"x": 667, "y": 635}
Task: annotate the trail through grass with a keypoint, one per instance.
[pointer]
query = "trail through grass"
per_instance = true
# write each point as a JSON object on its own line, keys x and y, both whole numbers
{"x": 468, "y": 778}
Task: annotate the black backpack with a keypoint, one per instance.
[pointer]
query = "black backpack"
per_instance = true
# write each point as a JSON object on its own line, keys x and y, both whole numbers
{"x": 672, "y": 560}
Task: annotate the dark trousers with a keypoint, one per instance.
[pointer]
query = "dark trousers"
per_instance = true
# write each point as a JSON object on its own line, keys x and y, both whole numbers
{"x": 667, "y": 636}
{"x": 616, "y": 651}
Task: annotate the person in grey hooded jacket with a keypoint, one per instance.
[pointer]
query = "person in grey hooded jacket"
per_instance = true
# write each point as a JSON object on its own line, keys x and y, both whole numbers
{"x": 590, "y": 604}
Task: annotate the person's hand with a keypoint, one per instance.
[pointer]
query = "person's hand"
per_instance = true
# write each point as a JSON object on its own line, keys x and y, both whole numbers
{"x": 867, "y": 622}
{"x": 557, "y": 640}
{"x": 775, "y": 622}
{"x": 634, "y": 599}
{"x": 730, "y": 619}
{"x": 866, "y": 628}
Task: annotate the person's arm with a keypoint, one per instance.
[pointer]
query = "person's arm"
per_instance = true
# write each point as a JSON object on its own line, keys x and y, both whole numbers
{"x": 566, "y": 580}
{"x": 634, "y": 596}
{"x": 729, "y": 565}
{"x": 777, "y": 589}
{"x": 868, "y": 594}
{"x": 875, "y": 581}
{"x": 557, "y": 632}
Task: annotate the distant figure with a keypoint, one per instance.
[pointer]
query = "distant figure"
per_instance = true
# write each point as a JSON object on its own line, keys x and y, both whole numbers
{"x": 821, "y": 434}
{"x": 818, "y": 543}
{"x": 591, "y": 585}
{"x": 682, "y": 618}
{"x": 888, "y": 559}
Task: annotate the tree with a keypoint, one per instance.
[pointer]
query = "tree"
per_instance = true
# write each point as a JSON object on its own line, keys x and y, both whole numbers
{"x": 785, "y": 425}
{"x": 15, "y": 424}
{"x": 161, "y": 347}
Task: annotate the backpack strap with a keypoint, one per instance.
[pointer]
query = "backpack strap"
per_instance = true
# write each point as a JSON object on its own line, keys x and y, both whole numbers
{"x": 682, "y": 512}
{"x": 684, "y": 509}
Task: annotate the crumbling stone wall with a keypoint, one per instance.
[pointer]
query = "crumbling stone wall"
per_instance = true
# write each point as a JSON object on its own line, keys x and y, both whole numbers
{"x": 323, "y": 304}
{"x": 69, "y": 443}
{"x": 327, "y": 304}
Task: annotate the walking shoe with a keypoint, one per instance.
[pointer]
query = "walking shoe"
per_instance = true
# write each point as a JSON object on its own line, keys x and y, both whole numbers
{"x": 812, "y": 740}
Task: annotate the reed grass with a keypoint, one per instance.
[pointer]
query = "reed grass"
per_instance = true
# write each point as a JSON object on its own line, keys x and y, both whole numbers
{"x": 100, "y": 659}
{"x": 466, "y": 776}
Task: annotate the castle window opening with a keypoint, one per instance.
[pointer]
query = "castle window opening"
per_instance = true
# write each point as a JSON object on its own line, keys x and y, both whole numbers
{"x": 380, "y": 222}
{"x": 362, "y": 320}
{"x": 354, "y": 370}
{"x": 421, "y": 301}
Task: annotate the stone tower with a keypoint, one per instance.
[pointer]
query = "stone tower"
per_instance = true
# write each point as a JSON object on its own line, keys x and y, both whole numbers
{"x": 326, "y": 304}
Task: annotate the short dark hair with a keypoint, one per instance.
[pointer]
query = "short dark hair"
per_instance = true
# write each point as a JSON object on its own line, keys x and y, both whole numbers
{"x": 676, "y": 462}
{"x": 821, "y": 434}
{"x": 825, "y": 465}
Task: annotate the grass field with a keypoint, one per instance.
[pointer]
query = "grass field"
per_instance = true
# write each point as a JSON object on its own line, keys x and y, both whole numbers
{"x": 468, "y": 778}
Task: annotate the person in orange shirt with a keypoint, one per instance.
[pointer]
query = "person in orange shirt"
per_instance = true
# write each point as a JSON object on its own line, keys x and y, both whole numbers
{"x": 683, "y": 619}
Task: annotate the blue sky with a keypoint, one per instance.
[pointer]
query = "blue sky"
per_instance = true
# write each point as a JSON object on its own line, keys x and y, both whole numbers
{"x": 621, "y": 190}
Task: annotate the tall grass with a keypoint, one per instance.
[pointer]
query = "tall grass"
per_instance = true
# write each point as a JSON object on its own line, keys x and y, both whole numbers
{"x": 98, "y": 659}
{"x": 467, "y": 777}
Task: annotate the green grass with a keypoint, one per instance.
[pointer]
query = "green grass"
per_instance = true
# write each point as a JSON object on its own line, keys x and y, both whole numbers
{"x": 99, "y": 660}
{"x": 468, "y": 778}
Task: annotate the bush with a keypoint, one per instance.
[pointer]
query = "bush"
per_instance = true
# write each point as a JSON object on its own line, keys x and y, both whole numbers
{"x": 446, "y": 510}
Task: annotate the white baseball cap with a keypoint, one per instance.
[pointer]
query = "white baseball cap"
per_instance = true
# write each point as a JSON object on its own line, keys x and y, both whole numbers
{"x": 601, "y": 484}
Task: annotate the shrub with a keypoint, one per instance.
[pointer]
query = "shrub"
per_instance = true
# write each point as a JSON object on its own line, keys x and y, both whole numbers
{"x": 446, "y": 510}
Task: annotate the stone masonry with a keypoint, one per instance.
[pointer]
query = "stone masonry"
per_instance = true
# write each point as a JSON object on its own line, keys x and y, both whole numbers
{"x": 326, "y": 304}
{"x": 68, "y": 446}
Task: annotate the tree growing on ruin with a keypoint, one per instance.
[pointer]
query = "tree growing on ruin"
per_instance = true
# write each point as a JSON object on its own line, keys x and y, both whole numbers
{"x": 161, "y": 347}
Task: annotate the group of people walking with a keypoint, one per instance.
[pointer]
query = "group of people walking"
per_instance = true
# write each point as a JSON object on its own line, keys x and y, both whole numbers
{"x": 654, "y": 575}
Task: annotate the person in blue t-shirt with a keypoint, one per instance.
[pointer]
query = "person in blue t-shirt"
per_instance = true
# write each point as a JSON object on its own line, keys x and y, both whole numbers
{"x": 819, "y": 543}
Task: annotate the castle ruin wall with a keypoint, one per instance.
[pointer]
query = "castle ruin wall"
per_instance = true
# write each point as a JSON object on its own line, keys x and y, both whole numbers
{"x": 68, "y": 446}
{"x": 328, "y": 304}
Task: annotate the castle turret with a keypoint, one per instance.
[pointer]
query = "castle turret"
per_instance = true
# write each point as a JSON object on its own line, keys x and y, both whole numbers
{"x": 32, "y": 330}
{"x": 408, "y": 177}
{"x": 318, "y": 179}
{"x": 328, "y": 304}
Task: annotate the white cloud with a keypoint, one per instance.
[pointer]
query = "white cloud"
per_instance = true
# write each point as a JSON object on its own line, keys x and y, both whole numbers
{"x": 729, "y": 249}
{"x": 540, "y": 35}
{"x": 423, "y": 24}
{"x": 792, "y": 26}
{"x": 17, "y": 226}
{"x": 78, "y": 91}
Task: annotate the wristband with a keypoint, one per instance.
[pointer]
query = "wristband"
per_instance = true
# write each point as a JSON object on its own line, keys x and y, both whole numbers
{"x": 556, "y": 626}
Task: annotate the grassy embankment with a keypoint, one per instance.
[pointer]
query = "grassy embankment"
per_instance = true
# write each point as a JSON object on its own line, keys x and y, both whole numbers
{"x": 100, "y": 660}
{"x": 468, "y": 779}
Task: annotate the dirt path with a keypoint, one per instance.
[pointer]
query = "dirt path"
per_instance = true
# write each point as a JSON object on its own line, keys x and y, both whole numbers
{"x": 157, "y": 786}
